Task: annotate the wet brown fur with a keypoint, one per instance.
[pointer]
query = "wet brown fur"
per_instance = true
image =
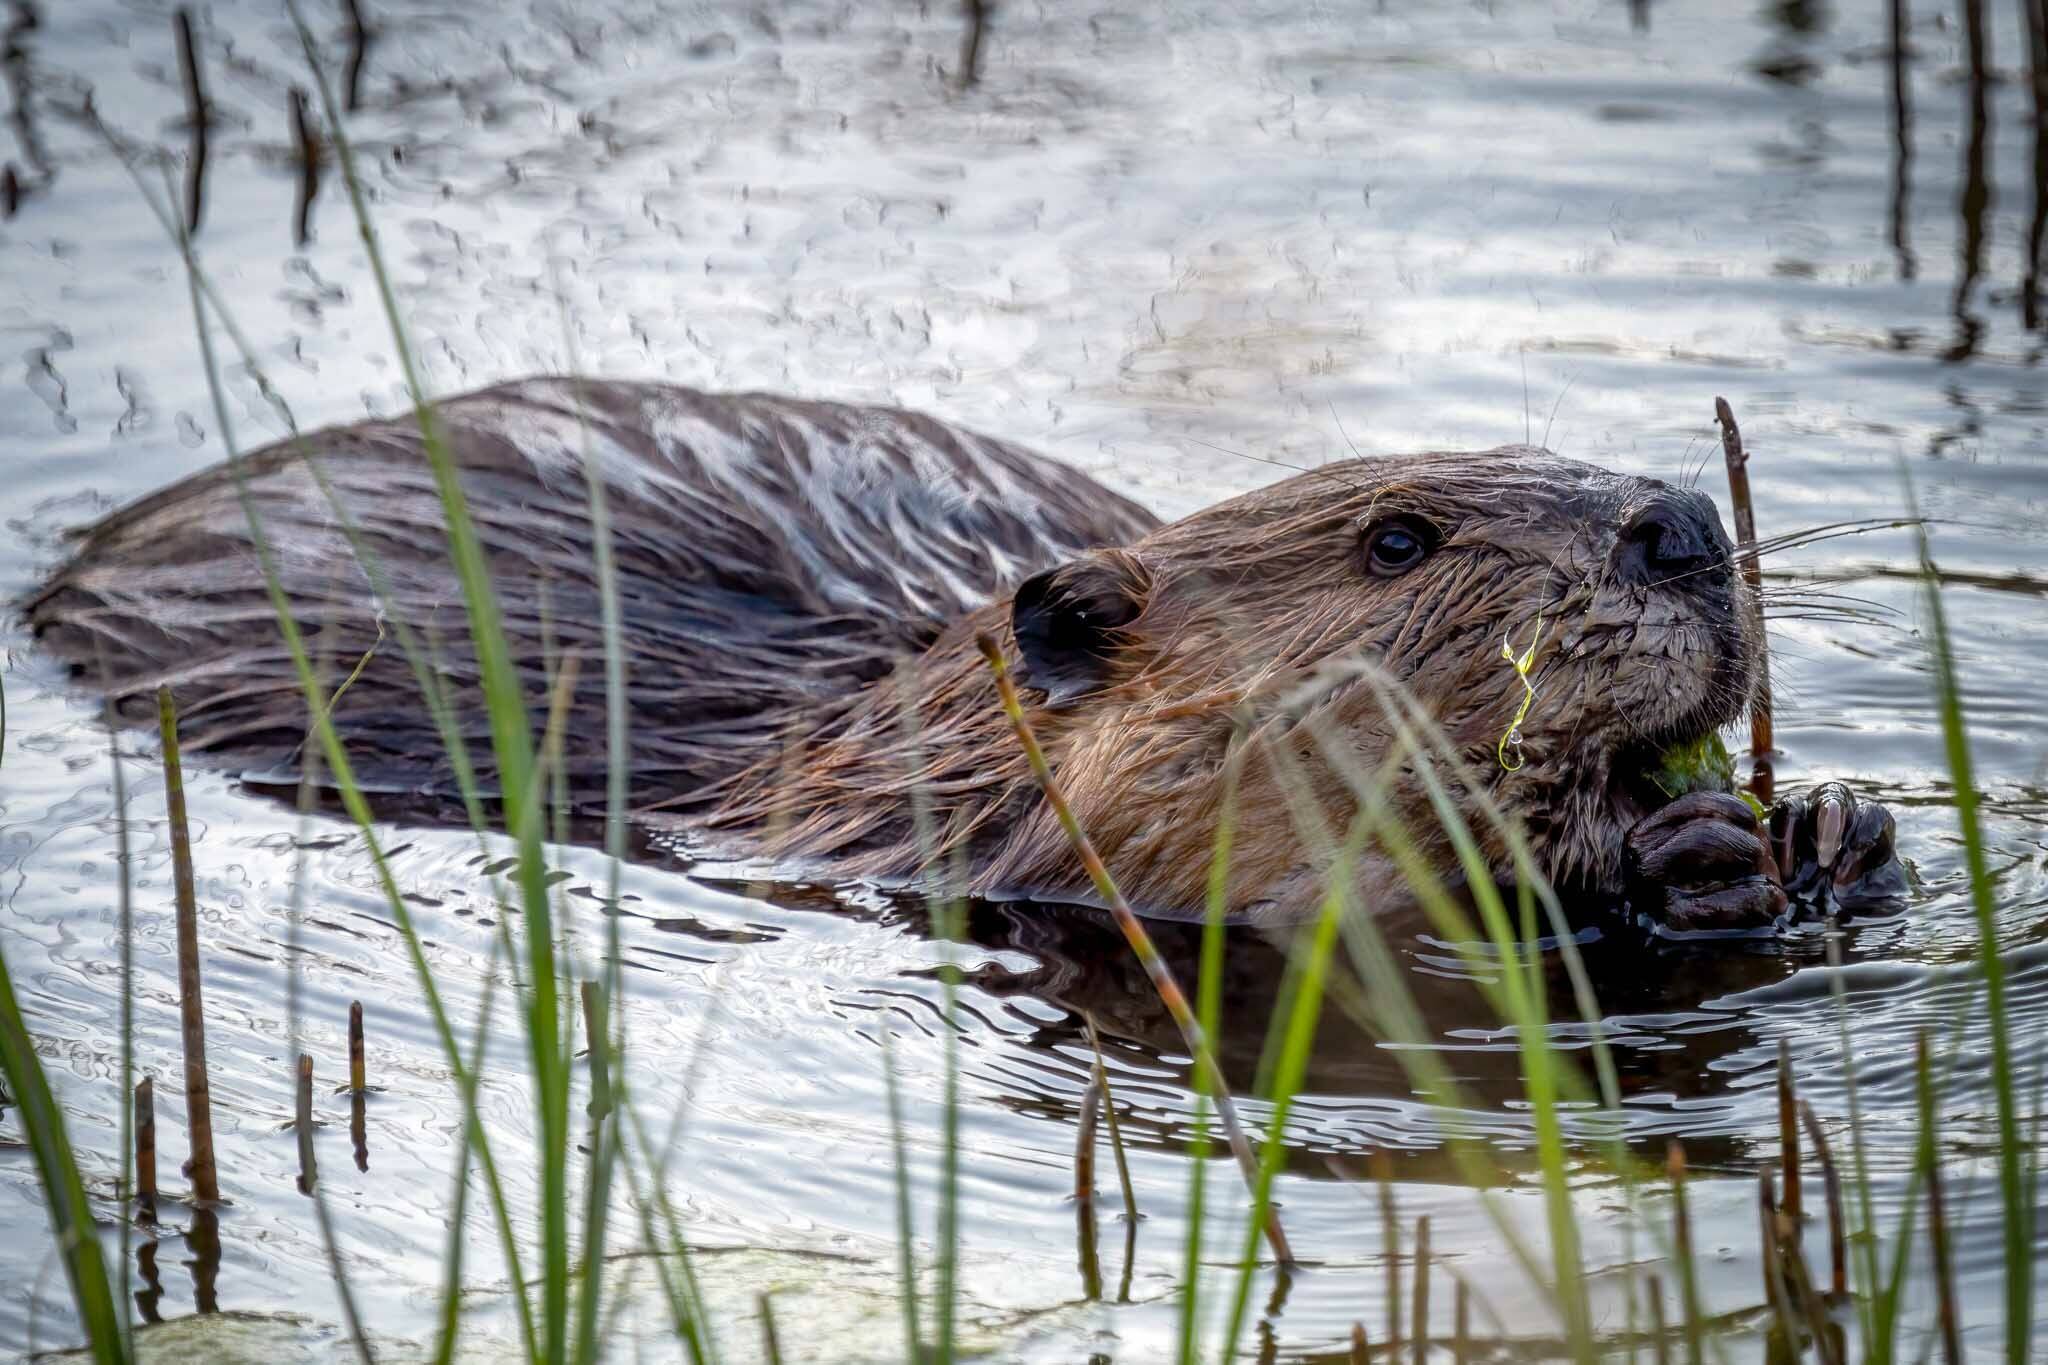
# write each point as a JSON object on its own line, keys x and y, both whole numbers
{"x": 804, "y": 583}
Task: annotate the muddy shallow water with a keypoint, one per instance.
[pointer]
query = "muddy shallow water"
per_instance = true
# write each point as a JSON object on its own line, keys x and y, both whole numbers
{"x": 1179, "y": 247}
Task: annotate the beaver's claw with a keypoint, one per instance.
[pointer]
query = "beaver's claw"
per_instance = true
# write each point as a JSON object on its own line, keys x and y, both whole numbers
{"x": 1702, "y": 864}
{"x": 1705, "y": 863}
{"x": 1835, "y": 851}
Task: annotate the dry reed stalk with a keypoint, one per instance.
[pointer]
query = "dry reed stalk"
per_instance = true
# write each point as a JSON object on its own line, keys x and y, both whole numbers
{"x": 1737, "y": 459}
{"x": 1361, "y": 1349}
{"x": 1084, "y": 1144}
{"x": 1092, "y": 1101}
{"x": 192, "y": 1016}
{"x": 1788, "y": 1141}
{"x": 1946, "y": 1313}
{"x": 1771, "y": 1229}
{"x": 1390, "y": 1247}
{"x": 600, "y": 1066}
{"x": 1831, "y": 1184}
{"x": 1134, "y": 932}
{"x": 198, "y": 112}
{"x": 145, "y": 1148}
{"x": 358, "y": 48}
{"x": 970, "y": 42}
{"x": 1659, "y": 1333}
{"x": 1681, "y": 1237}
{"x": 309, "y": 1175}
{"x": 308, "y": 145}
{"x": 357, "y": 1082}
{"x": 1461, "y": 1320}
{"x": 1116, "y": 1131}
{"x": 1419, "y": 1331}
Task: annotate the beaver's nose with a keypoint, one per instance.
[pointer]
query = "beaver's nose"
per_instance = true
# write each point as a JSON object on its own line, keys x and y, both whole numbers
{"x": 1675, "y": 535}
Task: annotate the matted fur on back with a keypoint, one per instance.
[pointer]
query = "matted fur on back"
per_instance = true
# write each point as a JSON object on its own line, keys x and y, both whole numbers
{"x": 774, "y": 555}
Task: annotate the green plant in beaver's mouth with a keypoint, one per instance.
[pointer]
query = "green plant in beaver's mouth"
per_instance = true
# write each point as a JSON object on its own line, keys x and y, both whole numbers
{"x": 1700, "y": 765}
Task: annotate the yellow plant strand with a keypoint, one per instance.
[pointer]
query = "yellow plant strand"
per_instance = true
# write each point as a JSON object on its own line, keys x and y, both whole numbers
{"x": 1512, "y": 736}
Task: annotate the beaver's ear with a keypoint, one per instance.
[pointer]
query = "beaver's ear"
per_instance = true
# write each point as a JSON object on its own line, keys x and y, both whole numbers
{"x": 1070, "y": 621}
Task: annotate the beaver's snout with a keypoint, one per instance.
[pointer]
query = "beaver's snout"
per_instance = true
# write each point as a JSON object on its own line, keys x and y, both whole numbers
{"x": 1674, "y": 536}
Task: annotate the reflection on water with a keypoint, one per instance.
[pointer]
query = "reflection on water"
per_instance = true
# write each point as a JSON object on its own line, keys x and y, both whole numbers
{"x": 1186, "y": 250}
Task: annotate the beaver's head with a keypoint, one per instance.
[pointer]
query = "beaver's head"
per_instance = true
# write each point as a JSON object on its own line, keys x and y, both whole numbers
{"x": 1233, "y": 628}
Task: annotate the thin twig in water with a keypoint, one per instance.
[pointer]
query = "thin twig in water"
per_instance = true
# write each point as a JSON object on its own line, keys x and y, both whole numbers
{"x": 1760, "y": 736}
{"x": 1116, "y": 1132}
{"x": 1831, "y": 1183}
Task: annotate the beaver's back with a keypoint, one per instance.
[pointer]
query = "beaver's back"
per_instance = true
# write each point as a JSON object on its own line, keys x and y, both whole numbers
{"x": 773, "y": 556}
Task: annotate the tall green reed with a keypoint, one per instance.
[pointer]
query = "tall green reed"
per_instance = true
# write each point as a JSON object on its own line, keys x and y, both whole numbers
{"x": 71, "y": 1217}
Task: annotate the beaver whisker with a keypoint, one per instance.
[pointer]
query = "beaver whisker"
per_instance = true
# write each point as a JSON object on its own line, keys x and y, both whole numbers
{"x": 1814, "y": 535}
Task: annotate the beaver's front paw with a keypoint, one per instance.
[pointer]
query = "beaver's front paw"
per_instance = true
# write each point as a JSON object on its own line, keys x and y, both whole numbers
{"x": 1702, "y": 864}
{"x": 1836, "y": 851}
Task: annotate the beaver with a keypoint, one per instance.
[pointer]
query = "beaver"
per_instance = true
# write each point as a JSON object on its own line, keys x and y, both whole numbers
{"x": 802, "y": 584}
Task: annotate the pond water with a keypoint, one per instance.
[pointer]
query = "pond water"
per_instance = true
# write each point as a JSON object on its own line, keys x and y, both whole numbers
{"x": 1180, "y": 246}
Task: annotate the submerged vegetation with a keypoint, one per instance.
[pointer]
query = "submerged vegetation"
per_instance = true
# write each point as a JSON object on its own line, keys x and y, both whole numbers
{"x": 606, "y": 1156}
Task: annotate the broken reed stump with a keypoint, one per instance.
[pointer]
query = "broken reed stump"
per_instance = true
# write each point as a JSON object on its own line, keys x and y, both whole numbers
{"x": 198, "y": 113}
{"x": 356, "y": 1069}
{"x": 1761, "y": 742}
{"x": 1770, "y": 1230}
{"x": 1361, "y": 1348}
{"x": 145, "y": 1148}
{"x": 976, "y": 14}
{"x": 600, "y": 1063}
{"x": 1658, "y": 1332}
{"x": 1681, "y": 1243}
{"x": 309, "y": 1175}
{"x": 1418, "y": 1332}
{"x": 192, "y": 1017}
{"x": 308, "y": 144}
{"x": 1390, "y": 1246}
{"x": 1788, "y": 1142}
{"x": 1831, "y": 1184}
{"x": 359, "y": 36}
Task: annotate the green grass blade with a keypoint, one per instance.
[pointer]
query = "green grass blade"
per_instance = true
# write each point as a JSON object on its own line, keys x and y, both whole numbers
{"x": 71, "y": 1219}
{"x": 2017, "y": 1211}
{"x": 1208, "y": 1009}
{"x": 906, "y": 1252}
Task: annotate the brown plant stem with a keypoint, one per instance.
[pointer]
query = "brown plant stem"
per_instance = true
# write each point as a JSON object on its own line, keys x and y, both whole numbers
{"x": 357, "y": 1074}
{"x": 1788, "y": 1140}
{"x": 1419, "y": 1329}
{"x": 1831, "y": 1183}
{"x": 145, "y": 1148}
{"x": 192, "y": 1015}
{"x": 309, "y": 1175}
{"x": 1761, "y": 743}
{"x": 1161, "y": 975}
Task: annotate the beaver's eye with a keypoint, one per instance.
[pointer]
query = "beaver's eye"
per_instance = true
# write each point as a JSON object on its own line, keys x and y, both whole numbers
{"x": 1395, "y": 546}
